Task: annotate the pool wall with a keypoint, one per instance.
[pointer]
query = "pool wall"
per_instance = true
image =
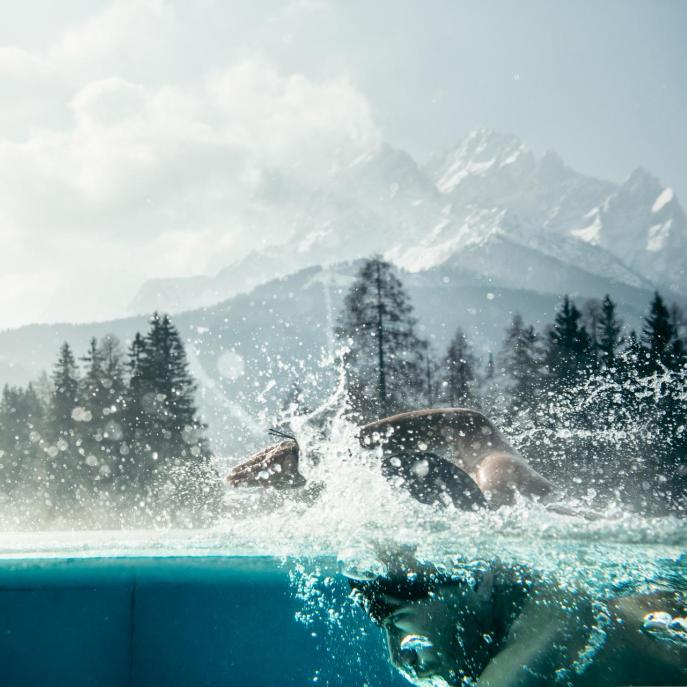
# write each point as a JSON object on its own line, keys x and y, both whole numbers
{"x": 158, "y": 622}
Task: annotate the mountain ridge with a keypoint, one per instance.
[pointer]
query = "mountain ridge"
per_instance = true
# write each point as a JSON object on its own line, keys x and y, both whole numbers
{"x": 487, "y": 184}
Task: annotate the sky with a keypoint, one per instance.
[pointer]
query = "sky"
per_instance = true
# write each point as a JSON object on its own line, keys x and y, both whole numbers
{"x": 134, "y": 133}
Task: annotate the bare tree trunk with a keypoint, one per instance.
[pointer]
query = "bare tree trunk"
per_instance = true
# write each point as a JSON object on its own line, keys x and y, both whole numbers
{"x": 380, "y": 344}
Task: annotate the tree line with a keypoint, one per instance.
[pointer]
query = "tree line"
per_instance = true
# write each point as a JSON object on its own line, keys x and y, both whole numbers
{"x": 112, "y": 439}
{"x": 585, "y": 399}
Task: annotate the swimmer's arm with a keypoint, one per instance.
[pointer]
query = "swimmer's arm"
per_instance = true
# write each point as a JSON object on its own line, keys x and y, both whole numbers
{"x": 275, "y": 466}
{"x": 538, "y": 644}
{"x": 502, "y": 474}
{"x": 537, "y": 485}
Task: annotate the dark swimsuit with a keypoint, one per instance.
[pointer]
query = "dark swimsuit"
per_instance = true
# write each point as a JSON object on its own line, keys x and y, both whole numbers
{"x": 432, "y": 480}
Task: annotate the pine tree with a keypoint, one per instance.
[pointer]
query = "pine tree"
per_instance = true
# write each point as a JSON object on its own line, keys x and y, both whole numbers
{"x": 135, "y": 453}
{"x": 91, "y": 383}
{"x": 8, "y": 440}
{"x": 609, "y": 329}
{"x": 459, "y": 372}
{"x": 679, "y": 347}
{"x": 113, "y": 374}
{"x": 591, "y": 317}
{"x": 165, "y": 371}
{"x": 22, "y": 418}
{"x": 102, "y": 402}
{"x": 660, "y": 339}
{"x": 65, "y": 393}
{"x": 631, "y": 361}
{"x": 174, "y": 459}
{"x": 569, "y": 352}
{"x": 66, "y": 468}
{"x": 430, "y": 369}
{"x": 678, "y": 412}
{"x": 664, "y": 354}
{"x": 44, "y": 389}
{"x": 384, "y": 357}
{"x": 137, "y": 462}
{"x": 522, "y": 359}
{"x": 494, "y": 396}
{"x": 89, "y": 413}
{"x": 657, "y": 335}
{"x": 133, "y": 401}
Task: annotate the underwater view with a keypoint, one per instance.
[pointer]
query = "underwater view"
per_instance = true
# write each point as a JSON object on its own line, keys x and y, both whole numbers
{"x": 343, "y": 344}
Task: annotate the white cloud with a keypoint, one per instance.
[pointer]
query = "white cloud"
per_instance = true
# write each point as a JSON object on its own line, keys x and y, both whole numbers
{"x": 35, "y": 288}
{"x": 290, "y": 120}
{"x": 122, "y": 26}
{"x": 19, "y": 64}
{"x": 139, "y": 178}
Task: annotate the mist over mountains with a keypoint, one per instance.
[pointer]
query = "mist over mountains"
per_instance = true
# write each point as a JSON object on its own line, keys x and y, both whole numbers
{"x": 481, "y": 232}
{"x": 470, "y": 206}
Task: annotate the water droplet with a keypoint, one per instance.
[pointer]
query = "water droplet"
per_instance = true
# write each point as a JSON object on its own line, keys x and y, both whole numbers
{"x": 421, "y": 468}
{"x": 361, "y": 564}
{"x": 656, "y": 620}
{"x": 230, "y": 365}
{"x": 678, "y": 625}
{"x": 416, "y": 642}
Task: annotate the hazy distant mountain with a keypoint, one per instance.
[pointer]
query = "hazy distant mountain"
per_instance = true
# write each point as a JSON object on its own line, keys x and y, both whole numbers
{"x": 174, "y": 295}
{"x": 489, "y": 188}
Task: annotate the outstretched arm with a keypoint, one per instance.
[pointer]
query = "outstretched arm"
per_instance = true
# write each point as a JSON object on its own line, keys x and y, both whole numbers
{"x": 275, "y": 466}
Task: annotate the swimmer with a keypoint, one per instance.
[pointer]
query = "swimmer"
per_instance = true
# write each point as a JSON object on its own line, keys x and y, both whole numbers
{"x": 464, "y": 438}
{"x": 504, "y": 628}
{"x": 438, "y": 455}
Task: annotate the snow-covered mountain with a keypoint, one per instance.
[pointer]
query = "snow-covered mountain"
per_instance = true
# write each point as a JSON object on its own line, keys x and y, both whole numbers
{"x": 643, "y": 224}
{"x": 462, "y": 208}
{"x": 493, "y": 170}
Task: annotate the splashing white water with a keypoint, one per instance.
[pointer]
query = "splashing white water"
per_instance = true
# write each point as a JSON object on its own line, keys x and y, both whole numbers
{"x": 354, "y": 509}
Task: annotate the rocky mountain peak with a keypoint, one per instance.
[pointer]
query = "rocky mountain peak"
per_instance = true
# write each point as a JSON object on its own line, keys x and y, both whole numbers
{"x": 482, "y": 152}
{"x": 488, "y": 189}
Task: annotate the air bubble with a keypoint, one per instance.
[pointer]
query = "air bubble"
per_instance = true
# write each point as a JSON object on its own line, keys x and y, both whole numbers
{"x": 361, "y": 564}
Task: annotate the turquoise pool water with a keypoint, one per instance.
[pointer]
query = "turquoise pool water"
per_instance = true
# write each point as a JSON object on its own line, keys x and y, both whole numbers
{"x": 191, "y": 608}
{"x": 175, "y": 621}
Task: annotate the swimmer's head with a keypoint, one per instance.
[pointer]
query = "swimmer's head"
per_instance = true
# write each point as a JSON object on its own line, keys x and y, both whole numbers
{"x": 438, "y": 627}
{"x": 430, "y": 640}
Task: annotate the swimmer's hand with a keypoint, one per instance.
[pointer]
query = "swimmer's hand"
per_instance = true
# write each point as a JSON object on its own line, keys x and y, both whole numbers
{"x": 275, "y": 466}
{"x": 562, "y": 509}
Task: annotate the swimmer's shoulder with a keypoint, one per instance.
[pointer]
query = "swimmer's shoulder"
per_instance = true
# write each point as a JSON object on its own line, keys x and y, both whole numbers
{"x": 503, "y": 471}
